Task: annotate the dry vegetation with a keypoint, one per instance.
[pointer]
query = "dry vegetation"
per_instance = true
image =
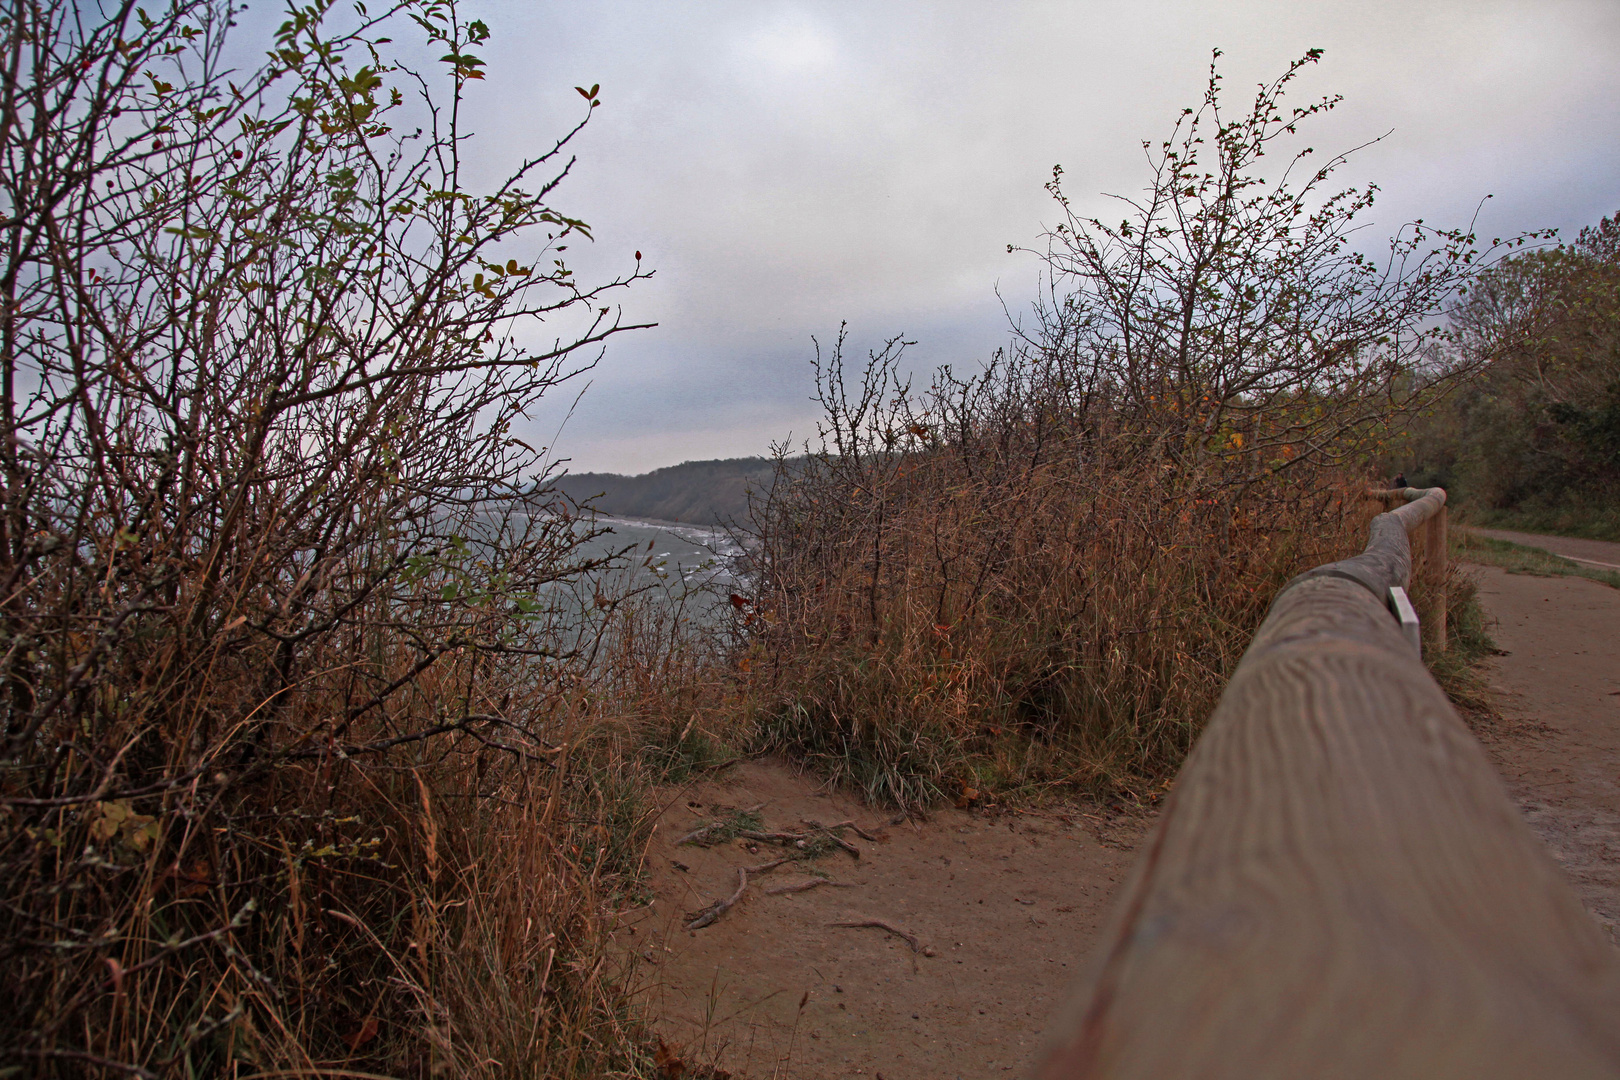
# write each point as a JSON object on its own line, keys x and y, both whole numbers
{"x": 295, "y": 646}
{"x": 1023, "y": 588}
{"x": 325, "y": 750}
{"x": 1044, "y": 573}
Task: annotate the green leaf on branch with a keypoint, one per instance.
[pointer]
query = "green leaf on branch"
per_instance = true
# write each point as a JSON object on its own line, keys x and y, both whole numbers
{"x": 466, "y": 66}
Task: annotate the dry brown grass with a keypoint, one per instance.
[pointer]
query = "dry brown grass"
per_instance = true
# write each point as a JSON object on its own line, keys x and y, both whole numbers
{"x": 439, "y": 910}
{"x": 996, "y": 586}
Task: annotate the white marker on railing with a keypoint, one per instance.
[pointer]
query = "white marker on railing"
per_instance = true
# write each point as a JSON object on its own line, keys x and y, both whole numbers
{"x": 1407, "y": 616}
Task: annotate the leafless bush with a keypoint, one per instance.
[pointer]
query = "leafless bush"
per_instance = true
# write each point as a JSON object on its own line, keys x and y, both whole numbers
{"x": 1045, "y": 572}
{"x": 284, "y": 598}
{"x": 1231, "y": 306}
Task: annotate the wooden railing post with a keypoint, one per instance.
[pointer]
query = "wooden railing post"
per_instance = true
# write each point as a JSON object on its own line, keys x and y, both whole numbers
{"x": 1338, "y": 885}
{"x": 1438, "y": 558}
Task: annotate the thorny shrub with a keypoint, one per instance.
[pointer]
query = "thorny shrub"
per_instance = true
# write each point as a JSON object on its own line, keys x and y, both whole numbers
{"x": 297, "y": 771}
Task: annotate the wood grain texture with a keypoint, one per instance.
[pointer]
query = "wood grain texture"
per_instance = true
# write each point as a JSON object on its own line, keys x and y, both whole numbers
{"x": 1437, "y": 556}
{"x": 1339, "y": 886}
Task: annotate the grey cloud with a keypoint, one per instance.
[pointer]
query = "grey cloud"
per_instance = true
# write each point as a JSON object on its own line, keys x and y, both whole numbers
{"x": 784, "y": 166}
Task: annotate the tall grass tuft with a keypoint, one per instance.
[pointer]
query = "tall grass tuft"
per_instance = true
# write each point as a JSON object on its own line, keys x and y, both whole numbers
{"x": 1001, "y": 582}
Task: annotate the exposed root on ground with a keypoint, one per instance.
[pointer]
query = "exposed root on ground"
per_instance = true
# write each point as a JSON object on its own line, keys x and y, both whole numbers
{"x": 806, "y": 886}
{"x": 704, "y": 916}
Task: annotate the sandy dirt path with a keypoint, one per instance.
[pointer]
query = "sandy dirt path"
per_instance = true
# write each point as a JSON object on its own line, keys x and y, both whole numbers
{"x": 1004, "y": 906}
{"x": 1603, "y": 554}
{"x": 1558, "y": 688}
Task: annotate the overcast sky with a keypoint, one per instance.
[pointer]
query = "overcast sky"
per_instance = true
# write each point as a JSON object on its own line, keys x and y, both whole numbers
{"x": 783, "y": 166}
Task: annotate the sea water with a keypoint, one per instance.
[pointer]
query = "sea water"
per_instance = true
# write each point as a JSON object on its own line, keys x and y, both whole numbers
{"x": 694, "y": 554}
{"x": 696, "y": 570}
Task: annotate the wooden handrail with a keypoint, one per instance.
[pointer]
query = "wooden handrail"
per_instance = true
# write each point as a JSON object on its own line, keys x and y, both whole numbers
{"x": 1435, "y": 553}
{"x": 1339, "y": 885}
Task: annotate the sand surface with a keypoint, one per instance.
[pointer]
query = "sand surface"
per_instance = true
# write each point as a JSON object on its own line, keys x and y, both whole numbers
{"x": 1558, "y": 749}
{"x": 1004, "y": 907}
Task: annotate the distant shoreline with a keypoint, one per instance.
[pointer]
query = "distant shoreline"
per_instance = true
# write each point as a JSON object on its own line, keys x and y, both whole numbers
{"x": 656, "y": 523}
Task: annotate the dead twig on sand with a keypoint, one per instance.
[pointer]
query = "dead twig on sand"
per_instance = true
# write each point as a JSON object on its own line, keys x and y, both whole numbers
{"x": 773, "y": 837}
{"x": 827, "y": 831}
{"x": 910, "y": 939}
{"x": 695, "y": 833}
{"x": 806, "y": 886}
{"x": 872, "y": 838}
{"x": 755, "y": 871}
{"x": 879, "y": 924}
{"x": 705, "y": 916}
{"x": 800, "y": 840}
{"x": 737, "y": 823}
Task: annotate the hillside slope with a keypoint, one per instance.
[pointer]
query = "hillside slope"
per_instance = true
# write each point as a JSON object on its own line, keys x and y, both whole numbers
{"x": 699, "y": 492}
